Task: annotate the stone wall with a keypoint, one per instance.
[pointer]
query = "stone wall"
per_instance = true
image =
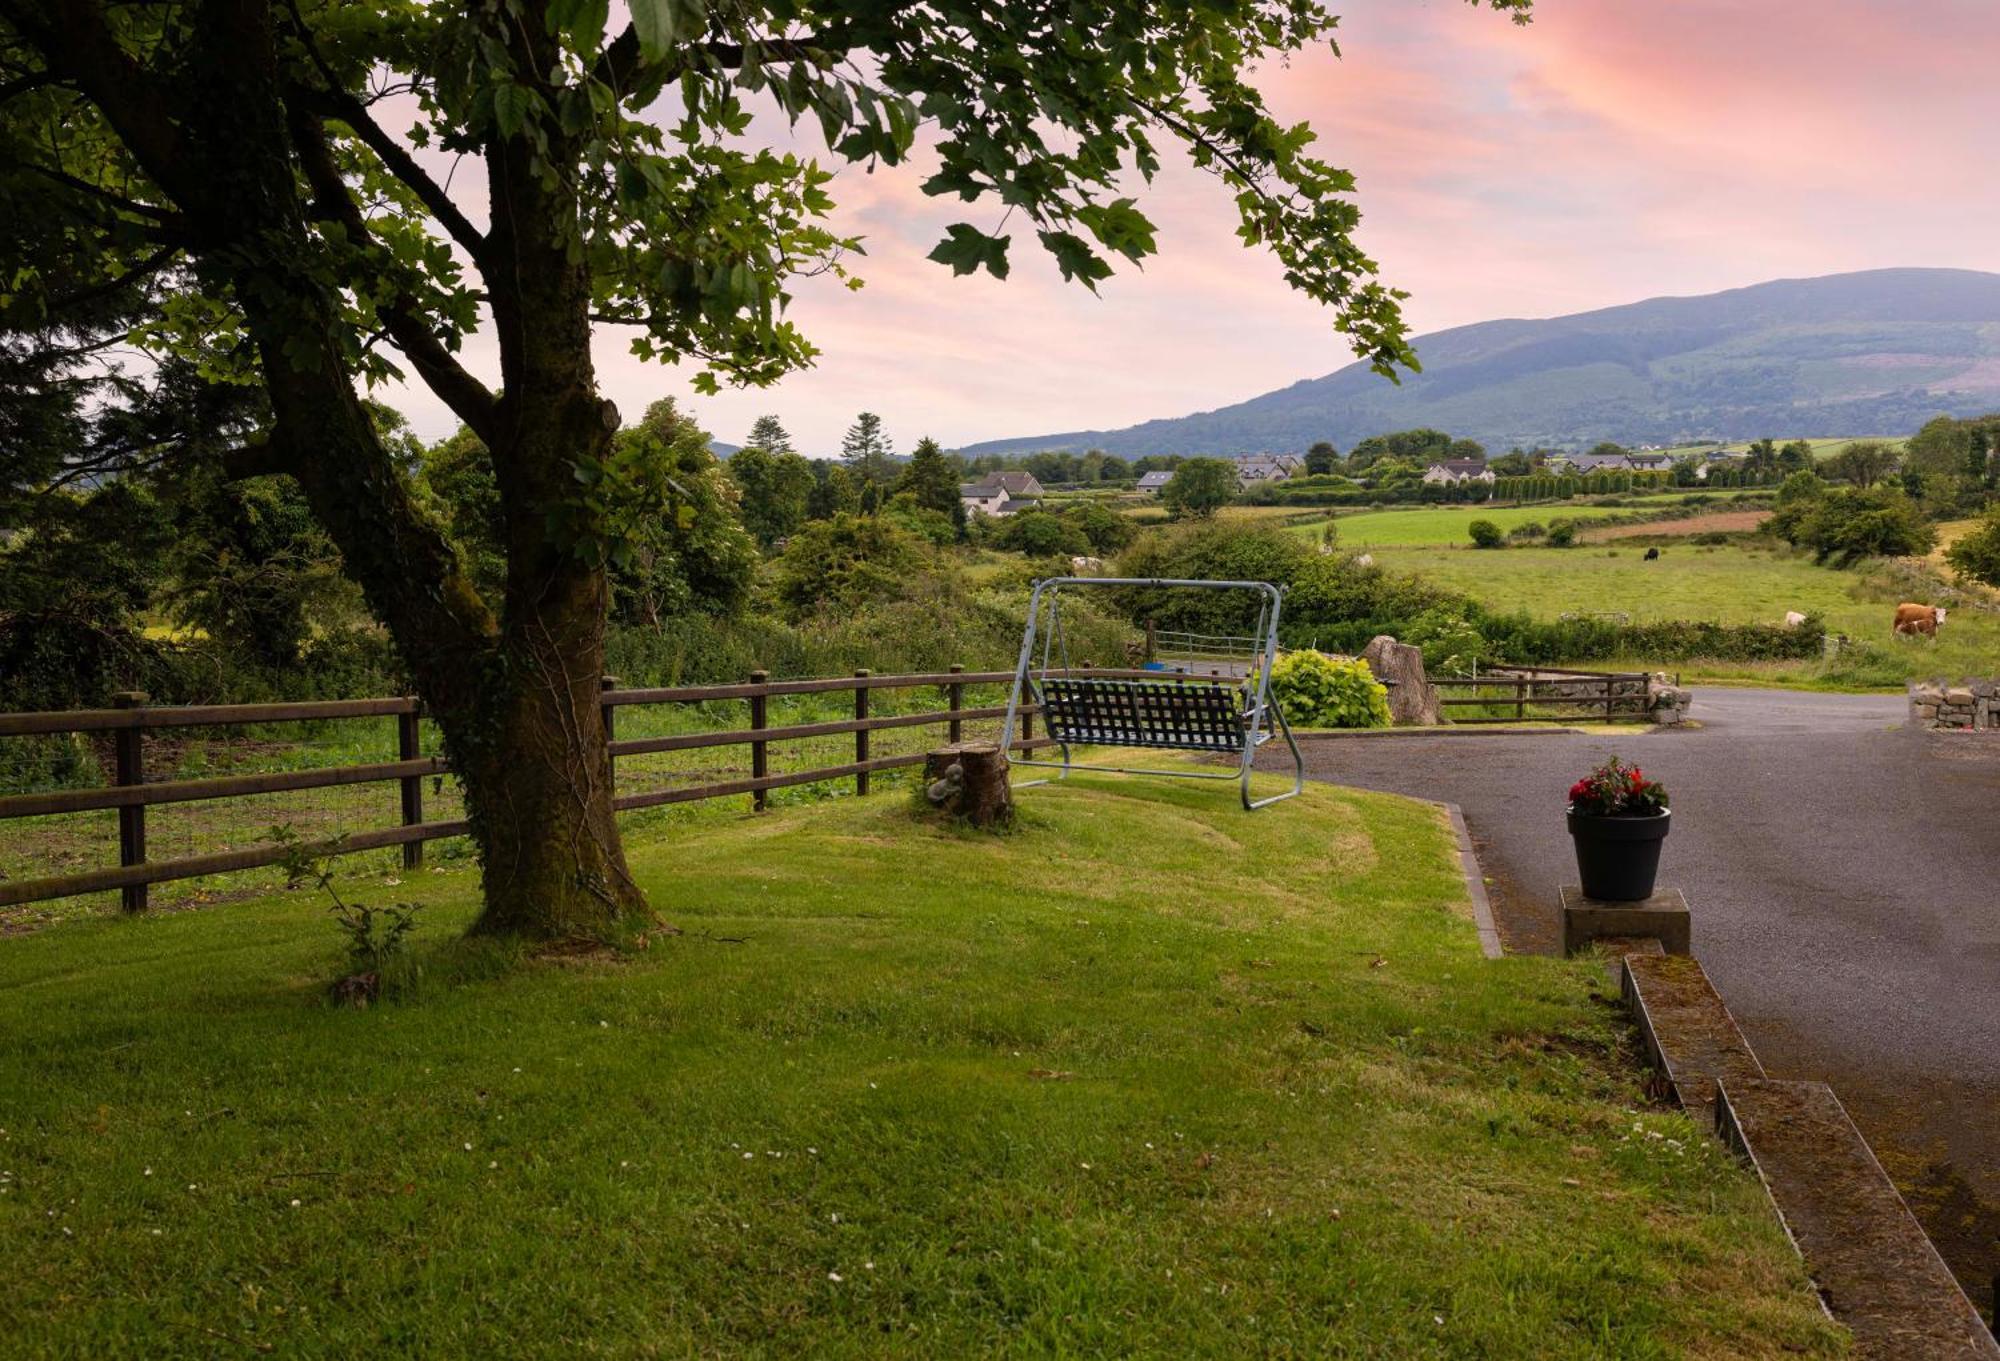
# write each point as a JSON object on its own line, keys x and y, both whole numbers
{"x": 1965, "y": 704}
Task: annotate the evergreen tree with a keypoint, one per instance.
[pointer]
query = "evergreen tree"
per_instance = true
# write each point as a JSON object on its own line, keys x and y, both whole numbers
{"x": 929, "y": 477}
{"x": 1322, "y": 459}
{"x": 867, "y": 452}
{"x": 768, "y": 435}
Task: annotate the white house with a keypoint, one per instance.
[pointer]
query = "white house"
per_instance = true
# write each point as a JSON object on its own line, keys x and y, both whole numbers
{"x": 1453, "y": 471}
{"x": 1000, "y": 494}
{"x": 1153, "y": 483}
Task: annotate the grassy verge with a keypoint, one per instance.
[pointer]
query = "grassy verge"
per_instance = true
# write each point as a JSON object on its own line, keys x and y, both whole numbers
{"x": 1149, "y": 1076}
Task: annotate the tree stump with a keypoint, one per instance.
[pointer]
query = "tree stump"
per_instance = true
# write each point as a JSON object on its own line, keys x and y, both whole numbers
{"x": 968, "y": 781}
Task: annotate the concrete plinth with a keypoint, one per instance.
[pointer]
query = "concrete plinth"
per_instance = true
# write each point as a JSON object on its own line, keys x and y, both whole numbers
{"x": 1662, "y": 917}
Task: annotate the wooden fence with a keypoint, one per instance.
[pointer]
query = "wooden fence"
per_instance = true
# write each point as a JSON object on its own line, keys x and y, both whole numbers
{"x": 131, "y": 795}
{"x": 1549, "y": 692}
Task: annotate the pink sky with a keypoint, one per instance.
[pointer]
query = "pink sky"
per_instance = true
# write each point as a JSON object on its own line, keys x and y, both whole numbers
{"x": 1611, "y": 151}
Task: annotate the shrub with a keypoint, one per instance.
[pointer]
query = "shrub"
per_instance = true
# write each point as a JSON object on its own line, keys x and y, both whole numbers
{"x": 1209, "y": 550}
{"x": 1976, "y": 557}
{"x": 1856, "y": 522}
{"x": 1562, "y": 533}
{"x": 846, "y": 561}
{"x": 1533, "y": 529}
{"x": 1039, "y": 534}
{"x": 1451, "y": 641}
{"x": 1318, "y": 691}
{"x": 1485, "y": 534}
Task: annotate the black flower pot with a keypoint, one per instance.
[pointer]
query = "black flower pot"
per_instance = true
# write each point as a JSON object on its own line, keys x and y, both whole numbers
{"x": 1618, "y": 858}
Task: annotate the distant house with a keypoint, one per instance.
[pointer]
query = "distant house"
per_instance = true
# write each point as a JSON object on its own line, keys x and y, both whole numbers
{"x": 1000, "y": 494}
{"x": 1453, "y": 471}
{"x": 1152, "y": 483}
{"x": 1268, "y": 468}
{"x": 1585, "y": 464}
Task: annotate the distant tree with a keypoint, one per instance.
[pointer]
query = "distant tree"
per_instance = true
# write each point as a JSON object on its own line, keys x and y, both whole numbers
{"x": 1864, "y": 462}
{"x": 834, "y": 493}
{"x": 1855, "y": 522}
{"x": 871, "y": 497}
{"x": 1485, "y": 534}
{"x": 1322, "y": 459}
{"x": 1513, "y": 463}
{"x": 1687, "y": 473}
{"x": 1420, "y": 445}
{"x": 1606, "y": 449}
{"x": 776, "y": 491}
{"x": 1762, "y": 458}
{"x": 866, "y": 451}
{"x": 1795, "y": 456}
{"x": 928, "y": 477}
{"x": 767, "y": 434}
{"x": 1976, "y": 555}
{"x": 1200, "y": 487}
{"x": 1105, "y": 529}
{"x": 1115, "y": 470}
{"x": 1466, "y": 449}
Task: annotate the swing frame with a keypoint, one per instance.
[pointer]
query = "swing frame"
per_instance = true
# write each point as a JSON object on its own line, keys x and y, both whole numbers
{"x": 1261, "y": 716}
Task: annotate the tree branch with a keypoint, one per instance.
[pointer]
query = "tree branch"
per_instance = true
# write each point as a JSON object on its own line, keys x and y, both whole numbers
{"x": 338, "y": 102}
{"x": 145, "y": 269}
{"x": 468, "y": 398}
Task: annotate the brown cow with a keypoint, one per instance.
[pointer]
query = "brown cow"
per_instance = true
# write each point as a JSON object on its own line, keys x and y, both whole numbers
{"x": 1924, "y": 619}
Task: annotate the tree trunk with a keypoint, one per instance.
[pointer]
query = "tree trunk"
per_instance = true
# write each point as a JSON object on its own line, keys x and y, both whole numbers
{"x": 968, "y": 781}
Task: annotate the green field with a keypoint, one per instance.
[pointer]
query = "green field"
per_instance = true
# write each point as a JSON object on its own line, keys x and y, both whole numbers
{"x": 1734, "y": 584}
{"x": 1448, "y": 525}
{"x": 1150, "y": 1076}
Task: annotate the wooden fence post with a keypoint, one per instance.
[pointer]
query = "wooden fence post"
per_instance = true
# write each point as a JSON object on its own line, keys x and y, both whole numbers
{"x": 1520, "y": 698}
{"x": 955, "y": 700}
{"x": 609, "y": 715}
{"x": 409, "y": 746}
{"x": 861, "y": 737}
{"x": 132, "y": 818}
{"x": 1152, "y": 641}
{"x": 760, "y": 760}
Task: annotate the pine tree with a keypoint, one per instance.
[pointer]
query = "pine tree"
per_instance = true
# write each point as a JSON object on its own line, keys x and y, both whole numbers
{"x": 867, "y": 452}
{"x": 767, "y": 434}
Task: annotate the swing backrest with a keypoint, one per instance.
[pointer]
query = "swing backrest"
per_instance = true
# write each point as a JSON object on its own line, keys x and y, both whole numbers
{"x": 1176, "y": 715}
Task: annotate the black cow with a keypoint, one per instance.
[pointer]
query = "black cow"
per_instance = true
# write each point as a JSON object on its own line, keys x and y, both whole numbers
{"x": 1652, "y": 553}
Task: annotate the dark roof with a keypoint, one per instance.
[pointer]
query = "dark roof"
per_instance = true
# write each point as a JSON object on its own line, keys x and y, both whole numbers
{"x": 1460, "y": 465}
{"x": 1009, "y": 507}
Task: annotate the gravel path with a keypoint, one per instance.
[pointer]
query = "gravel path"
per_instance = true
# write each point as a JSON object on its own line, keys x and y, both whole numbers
{"x": 1844, "y": 875}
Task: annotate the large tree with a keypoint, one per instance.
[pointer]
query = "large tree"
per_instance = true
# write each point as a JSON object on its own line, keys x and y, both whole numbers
{"x": 867, "y": 452}
{"x": 253, "y": 161}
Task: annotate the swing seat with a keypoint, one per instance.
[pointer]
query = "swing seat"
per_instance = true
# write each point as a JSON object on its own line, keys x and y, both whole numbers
{"x": 1228, "y": 712}
{"x": 1171, "y": 715}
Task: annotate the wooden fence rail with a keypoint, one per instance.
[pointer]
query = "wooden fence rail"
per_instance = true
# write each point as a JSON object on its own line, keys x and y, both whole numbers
{"x": 132, "y": 794}
{"x": 1618, "y": 694}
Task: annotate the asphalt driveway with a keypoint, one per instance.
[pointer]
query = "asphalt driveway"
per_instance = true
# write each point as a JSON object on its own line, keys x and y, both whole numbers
{"x": 1844, "y": 876}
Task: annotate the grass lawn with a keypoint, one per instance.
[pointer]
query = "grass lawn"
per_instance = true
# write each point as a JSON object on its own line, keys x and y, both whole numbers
{"x": 1150, "y": 1076}
{"x": 1731, "y": 583}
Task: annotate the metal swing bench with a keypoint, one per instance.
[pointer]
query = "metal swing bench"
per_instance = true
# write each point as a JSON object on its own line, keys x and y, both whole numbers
{"x": 1217, "y": 699}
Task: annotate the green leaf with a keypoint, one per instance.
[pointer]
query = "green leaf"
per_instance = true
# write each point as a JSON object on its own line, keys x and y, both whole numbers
{"x": 967, "y": 249}
{"x": 513, "y": 105}
{"x": 582, "y": 20}
{"x": 662, "y": 23}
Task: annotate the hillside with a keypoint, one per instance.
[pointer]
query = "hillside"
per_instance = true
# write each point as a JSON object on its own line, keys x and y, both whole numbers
{"x": 1879, "y": 351}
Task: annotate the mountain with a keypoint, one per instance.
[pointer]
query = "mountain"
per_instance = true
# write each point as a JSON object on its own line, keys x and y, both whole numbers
{"x": 1877, "y": 352}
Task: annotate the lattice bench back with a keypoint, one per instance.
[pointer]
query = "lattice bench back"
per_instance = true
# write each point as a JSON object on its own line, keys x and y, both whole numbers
{"x": 1180, "y": 715}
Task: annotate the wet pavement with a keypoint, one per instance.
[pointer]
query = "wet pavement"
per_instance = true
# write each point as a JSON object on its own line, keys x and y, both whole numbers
{"x": 1843, "y": 873}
